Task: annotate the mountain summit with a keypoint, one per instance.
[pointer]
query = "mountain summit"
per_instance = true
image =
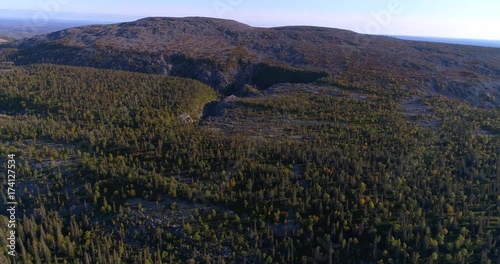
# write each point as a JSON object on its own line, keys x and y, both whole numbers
{"x": 227, "y": 55}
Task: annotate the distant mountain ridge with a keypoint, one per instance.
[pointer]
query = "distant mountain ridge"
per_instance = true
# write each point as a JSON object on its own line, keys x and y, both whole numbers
{"x": 459, "y": 41}
{"x": 227, "y": 55}
{"x": 18, "y": 28}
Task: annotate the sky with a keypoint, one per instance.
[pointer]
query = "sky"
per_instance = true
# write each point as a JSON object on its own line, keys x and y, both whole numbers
{"x": 434, "y": 18}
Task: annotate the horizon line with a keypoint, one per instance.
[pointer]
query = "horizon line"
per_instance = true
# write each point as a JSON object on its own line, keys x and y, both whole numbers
{"x": 120, "y": 18}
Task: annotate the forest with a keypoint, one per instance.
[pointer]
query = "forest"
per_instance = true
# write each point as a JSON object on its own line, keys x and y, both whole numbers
{"x": 122, "y": 167}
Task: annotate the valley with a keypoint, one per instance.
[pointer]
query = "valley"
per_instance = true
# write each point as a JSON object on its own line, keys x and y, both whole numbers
{"x": 198, "y": 140}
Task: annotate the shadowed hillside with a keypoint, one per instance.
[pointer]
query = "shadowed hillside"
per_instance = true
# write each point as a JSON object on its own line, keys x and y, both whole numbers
{"x": 227, "y": 54}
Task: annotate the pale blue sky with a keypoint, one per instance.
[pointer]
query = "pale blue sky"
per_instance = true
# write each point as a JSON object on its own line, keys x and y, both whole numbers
{"x": 441, "y": 18}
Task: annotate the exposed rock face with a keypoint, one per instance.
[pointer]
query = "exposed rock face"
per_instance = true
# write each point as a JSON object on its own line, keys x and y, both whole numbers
{"x": 227, "y": 55}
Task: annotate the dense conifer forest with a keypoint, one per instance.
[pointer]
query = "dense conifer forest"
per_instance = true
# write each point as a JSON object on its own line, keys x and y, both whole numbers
{"x": 121, "y": 167}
